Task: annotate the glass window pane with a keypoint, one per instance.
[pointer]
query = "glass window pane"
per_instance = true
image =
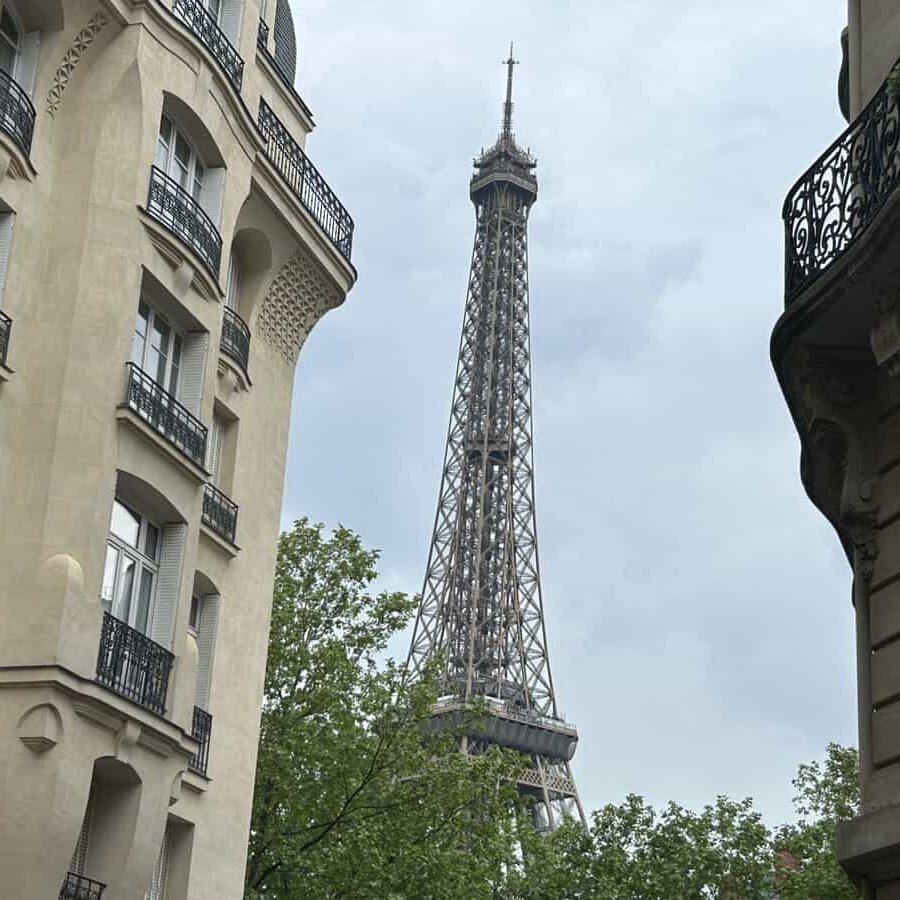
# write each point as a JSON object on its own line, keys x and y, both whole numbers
{"x": 151, "y": 545}
{"x": 107, "y": 588}
{"x": 125, "y": 524}
{"x": 176, "y": 366}
{"x": 9, "y": 28}
{"x": 158, "y": 353}
{"x": 145, "y": 593}
{"x": 7, "y": 57}
{"x": 122, "y": 606}
{"x": 139, "y": 341}
{"x": 194, "y": 620}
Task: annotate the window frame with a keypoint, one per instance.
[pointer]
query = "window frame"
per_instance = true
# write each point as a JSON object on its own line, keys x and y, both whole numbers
{"x": 121, "y": 552}
{"x": 194, "y": 169}
{"x": 7, "y": 7}
{"x": 172, "y": 356}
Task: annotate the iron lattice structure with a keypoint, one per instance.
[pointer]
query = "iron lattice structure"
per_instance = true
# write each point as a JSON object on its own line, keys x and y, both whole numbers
{"x": 482, "y": 611}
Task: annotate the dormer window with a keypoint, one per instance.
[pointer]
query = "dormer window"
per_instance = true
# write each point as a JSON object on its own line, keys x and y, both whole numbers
{"x": 176, "y": 156}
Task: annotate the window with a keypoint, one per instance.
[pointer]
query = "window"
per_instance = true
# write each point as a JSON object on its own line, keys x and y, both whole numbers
{"x": 131, "y": 569}
{"x": 176, "y": 156}
{"x": 10, "y": 40}
{"x": 157, "y": 348}
{"x": 195, "y": 616}
{"x": 233, "y": 288}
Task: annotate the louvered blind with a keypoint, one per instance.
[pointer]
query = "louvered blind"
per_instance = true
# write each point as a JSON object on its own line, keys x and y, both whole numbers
{"x": 168, "y": 583}
{"x": 206, "y": 640}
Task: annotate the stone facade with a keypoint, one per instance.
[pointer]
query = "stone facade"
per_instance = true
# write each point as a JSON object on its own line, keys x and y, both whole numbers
{"x": 836, "y": 351}
{"x": 142, "y": 465}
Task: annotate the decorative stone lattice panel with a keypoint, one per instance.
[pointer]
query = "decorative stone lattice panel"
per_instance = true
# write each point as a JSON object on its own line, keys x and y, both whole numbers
{"x": 299, "y": 296}
{"x": 70, "y": 61}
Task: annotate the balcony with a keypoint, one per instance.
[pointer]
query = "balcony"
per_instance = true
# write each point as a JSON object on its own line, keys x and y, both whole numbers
{"x": 5, "y": 329}
{"x": 132, "y": 665}
{"x": 219, "y": 513}
{"x": 165, "y": 415}
{"x": 235, "y": 338}
{"x": 201, "y": 731}
{"x": 306, "y": 182}
{"x": 262, "y": 45}
{"x": 175, "y": 209}
{"x": 16, "y": 113}
{"x": 77, "y": 887}
{"x": 841, "y": 194}
{"x": 203, "y": 24}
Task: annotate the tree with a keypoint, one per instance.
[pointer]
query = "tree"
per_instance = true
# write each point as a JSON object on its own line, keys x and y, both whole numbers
{"x": 351, "y": 799}
{"x": 827, "y": 792}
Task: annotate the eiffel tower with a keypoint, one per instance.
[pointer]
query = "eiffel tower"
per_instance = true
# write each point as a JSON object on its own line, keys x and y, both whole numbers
{"x": 482, "y": 611}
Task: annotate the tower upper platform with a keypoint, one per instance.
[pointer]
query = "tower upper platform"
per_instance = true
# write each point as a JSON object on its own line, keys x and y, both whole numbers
{"x": 505, "y": 162}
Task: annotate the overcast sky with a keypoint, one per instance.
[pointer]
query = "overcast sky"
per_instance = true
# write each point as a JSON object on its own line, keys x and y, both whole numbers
{"x": 698, "y": 607}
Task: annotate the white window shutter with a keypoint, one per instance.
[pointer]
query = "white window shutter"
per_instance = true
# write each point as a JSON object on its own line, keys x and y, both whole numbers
{"x": 168, "y": 583}
{"x": 157, "y": 889}
{"x": 230, "y": 19}
{"x": 206, "y": 640}
{"x": 216, "y": 436}
{"x": 7, "y": 220}
{"x": 213, "y": 193}
{"x": 193, "y": 370}
{"x": 26, "y": 66}
{"x": 79, "y": 857}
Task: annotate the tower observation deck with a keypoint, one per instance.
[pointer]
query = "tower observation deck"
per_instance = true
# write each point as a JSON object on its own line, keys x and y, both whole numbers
{"x": 482, "y": 609}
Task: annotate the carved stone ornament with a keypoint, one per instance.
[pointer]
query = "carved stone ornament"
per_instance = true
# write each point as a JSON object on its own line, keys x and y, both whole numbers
{"x": 40, "y": 729}
{"x": 866, "y": 552}
{"x": 885, "y": 337}
{"x": 299, "y": 296}
{"x": 70, "y": 61}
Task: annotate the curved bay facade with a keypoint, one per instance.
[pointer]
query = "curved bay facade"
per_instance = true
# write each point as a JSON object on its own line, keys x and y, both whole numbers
{"x": 166, "y": 245}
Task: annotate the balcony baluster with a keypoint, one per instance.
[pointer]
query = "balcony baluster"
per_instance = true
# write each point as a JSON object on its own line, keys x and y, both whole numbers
{"x": 201, "y": 731}
{"x": 132, "y": 665}
{"x": 5, "y": 329}
{"x": 204, "y": 25}
{"x": 77, "y": 887}
{"x": 174, "y": 208}
{"x": 17, "y": 113}
{"x": 235, "y": 338}
{"x": 219, "y": 513}
{"x": 306, "y": 181}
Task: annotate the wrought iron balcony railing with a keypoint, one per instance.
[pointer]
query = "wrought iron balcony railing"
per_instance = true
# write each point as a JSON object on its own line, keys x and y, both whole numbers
{"x": 220, "y": 513}
{"x": 132, "y": 665}
{"x": 198, "y": 18}
{"x": 5, "y": 329}
{"x": 77, "y": 887}
{"x": 839, "y": 196}
{"x": 201, "y": 731}
{"x": 235, "y": 338}
{"x": 177, "y": 210}
{"x": 262, "y": 37}
{"x": 165, "y": 415}
{"x": 16, "y": 112}
{"x": 306, "y": 181}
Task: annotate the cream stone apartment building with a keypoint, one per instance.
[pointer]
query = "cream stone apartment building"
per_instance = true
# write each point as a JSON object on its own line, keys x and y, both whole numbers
{"x": 836, "y": 351}
{"x": 166, "y": 245}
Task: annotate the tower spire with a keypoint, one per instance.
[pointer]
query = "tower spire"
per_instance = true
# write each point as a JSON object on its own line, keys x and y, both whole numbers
{"x": 506, "y": 132}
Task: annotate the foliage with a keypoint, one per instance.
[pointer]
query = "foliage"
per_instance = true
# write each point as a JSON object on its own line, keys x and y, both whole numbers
{"x": 826, "y": 793}
{"x": 350, "y": 801}
{"x": 354, "y": 800}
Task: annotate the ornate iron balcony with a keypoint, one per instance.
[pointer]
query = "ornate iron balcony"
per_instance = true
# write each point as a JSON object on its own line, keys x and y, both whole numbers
{"x": 177, "y": 210}
{"x": 201, "y": 731}
{"x": 77, "y": 887}
{"x": 16, "y": 112}
{"x": 235, "y": 338}
{"x": 306, "y": 181}
{"x": 262, "y": 37}
{"x": 839, "y": 196}
{"x": 5, "y": 329}
{"x": 165, "y": 415}
{"x": 199, "y": 19}
{"x": 220, "y": 513}
{"x": 132, "y": 665}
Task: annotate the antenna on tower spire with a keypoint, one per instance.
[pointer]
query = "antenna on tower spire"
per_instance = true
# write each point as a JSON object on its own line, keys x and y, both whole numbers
{"x": 508, "y": 105}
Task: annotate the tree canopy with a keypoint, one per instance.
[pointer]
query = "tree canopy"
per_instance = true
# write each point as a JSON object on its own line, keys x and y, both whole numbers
{"x": 355, "y": 800}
